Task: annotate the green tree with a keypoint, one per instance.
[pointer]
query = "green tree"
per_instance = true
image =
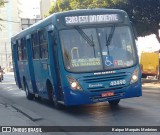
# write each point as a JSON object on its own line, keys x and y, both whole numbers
{"x": 2, "y": 3}
{"x": 64, "y": 5}
{"x": 145, "y": 14}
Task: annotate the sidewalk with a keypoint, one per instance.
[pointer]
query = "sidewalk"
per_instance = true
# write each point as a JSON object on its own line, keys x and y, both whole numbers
{"x": 12, "y": 117}
{"x": 151, "y": 87}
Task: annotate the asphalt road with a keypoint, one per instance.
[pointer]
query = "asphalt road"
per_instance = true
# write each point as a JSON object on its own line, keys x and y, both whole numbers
{"x": 140, "y": 111}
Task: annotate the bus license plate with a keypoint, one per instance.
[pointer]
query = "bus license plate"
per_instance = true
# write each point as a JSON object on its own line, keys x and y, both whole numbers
{"x": 107, "y": 94}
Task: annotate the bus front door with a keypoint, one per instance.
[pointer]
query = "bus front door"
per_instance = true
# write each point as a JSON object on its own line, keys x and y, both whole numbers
{"x": 54, "y": 65}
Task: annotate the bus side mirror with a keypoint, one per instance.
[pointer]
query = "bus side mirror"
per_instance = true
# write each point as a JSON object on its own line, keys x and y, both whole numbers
{"x": 134, "y": 31}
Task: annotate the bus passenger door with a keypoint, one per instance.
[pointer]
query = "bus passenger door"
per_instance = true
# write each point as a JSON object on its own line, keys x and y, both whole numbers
{"x": 30, "y": 65}
{"x": 15, "y": 64}
{"x": 54, "y": 66}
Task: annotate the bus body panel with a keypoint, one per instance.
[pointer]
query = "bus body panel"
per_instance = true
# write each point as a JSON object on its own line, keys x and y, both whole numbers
{"x": 93, "y": 86}
{"x": 78, "y": 98}
{"x": 39, "y": 72}
{"x": 30, "y": 66}
{"x": 54, "y": 69}
{"x": 37, "y": 66}
{"x": 24, "y": 74}
{"x": 15, "y": 65}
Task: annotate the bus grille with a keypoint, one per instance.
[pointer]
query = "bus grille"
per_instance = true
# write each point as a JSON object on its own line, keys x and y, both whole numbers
{"x": 105, "y": 79}
{"x": 102, "y": 78}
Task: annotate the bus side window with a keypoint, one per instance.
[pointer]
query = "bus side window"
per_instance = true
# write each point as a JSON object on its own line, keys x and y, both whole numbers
{"x": 35, "y": 46}
{"x": 24, "y": 49}
{"x": 19, "y": 50}
{"x": 43, "y": 43}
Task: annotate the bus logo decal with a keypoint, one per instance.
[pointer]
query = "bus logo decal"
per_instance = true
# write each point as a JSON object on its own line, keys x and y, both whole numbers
{"x": 109, "y": 61}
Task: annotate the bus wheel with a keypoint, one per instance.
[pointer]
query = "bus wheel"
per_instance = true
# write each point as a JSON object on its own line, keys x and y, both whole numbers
{"x": 28, "y": 94}
{"x": 52, "y": 97}
{"x": 56, "y": 104}
{"x": 114, "y": 102}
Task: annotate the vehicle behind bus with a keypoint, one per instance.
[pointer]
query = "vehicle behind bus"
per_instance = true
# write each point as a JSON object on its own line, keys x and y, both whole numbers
{"x": 149, "y": 62}
{"x": 78, "y": 57}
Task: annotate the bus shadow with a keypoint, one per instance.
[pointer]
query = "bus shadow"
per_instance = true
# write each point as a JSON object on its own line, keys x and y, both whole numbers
{"x": 96, "y": 111}
{"x": 78, "y": 108}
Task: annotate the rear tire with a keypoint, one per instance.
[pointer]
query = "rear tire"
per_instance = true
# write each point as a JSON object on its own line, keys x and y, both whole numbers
{"x": 144, "y": 76}
{"x": 114, "y": 102}
{"x": 28, "y": 94}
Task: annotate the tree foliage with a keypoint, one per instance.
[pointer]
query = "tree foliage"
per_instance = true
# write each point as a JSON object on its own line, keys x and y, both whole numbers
{"x": 2, "y": 3}
{"x": 145, "y": 14}
{"x": 64, "y": 5}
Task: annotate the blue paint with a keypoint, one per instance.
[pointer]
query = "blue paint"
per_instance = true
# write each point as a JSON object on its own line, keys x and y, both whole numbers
{"x": 108, "y": 60}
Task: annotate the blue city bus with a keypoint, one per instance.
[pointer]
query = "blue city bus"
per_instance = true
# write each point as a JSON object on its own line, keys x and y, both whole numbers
{"x": 78, "y": 57}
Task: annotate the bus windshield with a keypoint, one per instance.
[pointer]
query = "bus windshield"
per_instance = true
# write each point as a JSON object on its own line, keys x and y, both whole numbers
{"x": 87, "y": 50}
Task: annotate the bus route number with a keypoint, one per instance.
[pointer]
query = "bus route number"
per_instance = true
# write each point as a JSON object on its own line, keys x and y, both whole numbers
{"x": 90, "y": 19}
{"x": 71, "y": 19}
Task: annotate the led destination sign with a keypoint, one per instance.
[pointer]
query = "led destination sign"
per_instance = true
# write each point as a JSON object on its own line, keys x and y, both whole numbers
{"x": 90, "y": 19}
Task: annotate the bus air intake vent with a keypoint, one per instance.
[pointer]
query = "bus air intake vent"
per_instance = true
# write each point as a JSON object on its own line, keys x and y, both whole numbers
{"x": 104, "y": 78}
{"x": 104, "y": 89}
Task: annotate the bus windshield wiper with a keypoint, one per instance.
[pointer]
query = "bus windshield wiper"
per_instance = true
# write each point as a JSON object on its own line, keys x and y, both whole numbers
{"x": 86, "y": 37}
{"x": 109, "y": 38}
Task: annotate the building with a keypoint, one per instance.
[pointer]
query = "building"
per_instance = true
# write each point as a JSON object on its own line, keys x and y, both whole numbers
{"x": 14, "y": 14}
{"x": 10, "y": 26}
{"x": 45, "y": 6}
{"x": 29, "y": 9}
{"x": 18, "y": 15}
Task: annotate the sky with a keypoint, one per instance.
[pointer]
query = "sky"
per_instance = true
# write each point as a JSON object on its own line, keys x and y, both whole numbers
{"x": 148, "y": 43}
{"x": 28, "y": 8}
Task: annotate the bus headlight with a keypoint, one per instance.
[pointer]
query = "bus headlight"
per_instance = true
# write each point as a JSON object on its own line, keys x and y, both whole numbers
{"x": 73, "y": 83}
{"x": 134, "y": 76}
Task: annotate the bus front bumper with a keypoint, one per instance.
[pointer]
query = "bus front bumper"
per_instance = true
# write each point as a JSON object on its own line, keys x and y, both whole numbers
{"x": 85, "y": 97}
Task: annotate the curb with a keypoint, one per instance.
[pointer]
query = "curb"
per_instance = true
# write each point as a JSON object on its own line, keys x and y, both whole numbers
{"x": 31, "y": 115}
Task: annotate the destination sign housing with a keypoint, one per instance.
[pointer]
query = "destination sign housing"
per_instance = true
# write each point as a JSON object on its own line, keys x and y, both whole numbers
{"x": 92, "y": 19}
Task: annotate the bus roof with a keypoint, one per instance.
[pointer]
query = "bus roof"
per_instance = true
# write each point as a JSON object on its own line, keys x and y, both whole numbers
{"x": 53, "y": 18}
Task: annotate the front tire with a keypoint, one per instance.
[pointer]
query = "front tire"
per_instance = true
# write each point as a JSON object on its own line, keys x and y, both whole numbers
{"x": 52, "y": 96}
{"x": 55, "y": 103}
{"x": 114, "y": 102}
